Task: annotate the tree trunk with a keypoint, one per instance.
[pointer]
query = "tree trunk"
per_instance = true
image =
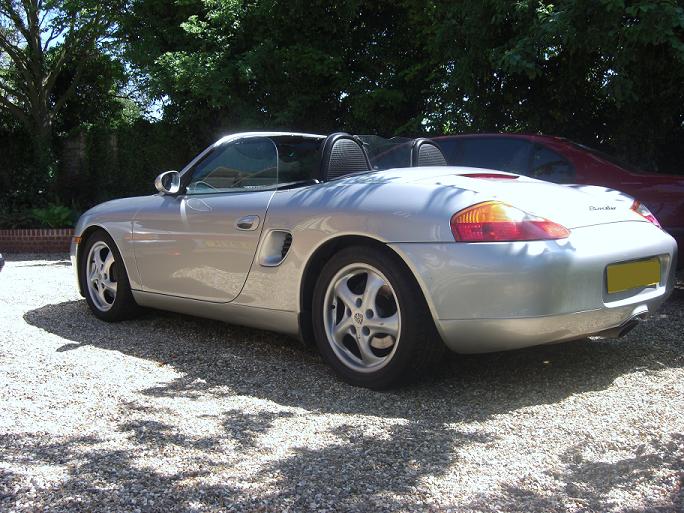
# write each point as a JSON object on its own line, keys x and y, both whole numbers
{"x": 44, "y": 163}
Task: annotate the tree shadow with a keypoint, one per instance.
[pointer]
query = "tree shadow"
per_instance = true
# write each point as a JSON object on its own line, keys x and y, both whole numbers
{"x": 387, "y": 470}
{"x": 97, "y": 478}
{"x": 224, "y": 360}
{"x": 246, "y": 428}
{"x": 384, "y": 472}
{"x": 589, "y": 484}
{"x": 418, "y": 432}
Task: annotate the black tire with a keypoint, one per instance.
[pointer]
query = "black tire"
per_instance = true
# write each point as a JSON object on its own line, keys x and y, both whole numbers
{"x": 123, "y": 305}
{"x": 418, "y": 345}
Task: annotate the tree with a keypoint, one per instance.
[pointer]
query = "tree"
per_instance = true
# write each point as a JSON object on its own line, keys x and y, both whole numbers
{"x": 38, "y": 39}
{"x": 100, "y": 98}
{"x": 311, "y": 66}
{"x": 606, "y": 73}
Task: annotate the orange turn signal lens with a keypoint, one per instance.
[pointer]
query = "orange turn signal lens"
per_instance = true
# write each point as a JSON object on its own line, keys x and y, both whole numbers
{"x": 495, "y": 221}
{"x": 76, "y": 239}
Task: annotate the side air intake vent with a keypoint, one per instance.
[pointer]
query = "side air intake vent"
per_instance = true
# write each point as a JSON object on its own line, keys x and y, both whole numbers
{"x": 286, "y": 245}
{"x": 275, "y": 248}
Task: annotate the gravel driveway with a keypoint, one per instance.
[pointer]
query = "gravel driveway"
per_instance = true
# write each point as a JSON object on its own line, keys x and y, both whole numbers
{"x": 172, "y": 413}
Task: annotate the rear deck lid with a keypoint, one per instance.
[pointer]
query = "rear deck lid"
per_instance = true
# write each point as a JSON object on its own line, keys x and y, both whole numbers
{"x": 572, "y": 207}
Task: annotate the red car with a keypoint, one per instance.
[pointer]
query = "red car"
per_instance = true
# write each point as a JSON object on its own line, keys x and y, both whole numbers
{"x": 558, "y": 160}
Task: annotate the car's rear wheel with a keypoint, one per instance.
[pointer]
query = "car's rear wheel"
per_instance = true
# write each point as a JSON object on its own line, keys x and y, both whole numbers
{"x": 370, "y": 320}
{"x": 104, "y": 279}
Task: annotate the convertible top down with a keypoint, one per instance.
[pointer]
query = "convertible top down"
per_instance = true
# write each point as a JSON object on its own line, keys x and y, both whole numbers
{"x": 297, "y": 233}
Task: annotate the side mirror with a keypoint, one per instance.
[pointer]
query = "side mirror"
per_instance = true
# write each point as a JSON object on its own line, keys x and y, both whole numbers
{"x": 168, "y": 182}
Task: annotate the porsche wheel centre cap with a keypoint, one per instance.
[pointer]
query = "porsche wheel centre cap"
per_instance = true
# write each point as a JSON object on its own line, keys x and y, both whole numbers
{"x": 358, "y": 318}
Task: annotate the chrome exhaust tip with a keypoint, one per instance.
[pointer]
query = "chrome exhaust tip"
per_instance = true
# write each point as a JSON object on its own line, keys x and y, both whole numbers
{"x": 628, "y": 326}
{"x": 625, "y": 327}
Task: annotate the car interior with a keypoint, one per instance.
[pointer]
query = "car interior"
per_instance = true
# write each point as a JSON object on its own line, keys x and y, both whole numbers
{"x": 263, "y": 162}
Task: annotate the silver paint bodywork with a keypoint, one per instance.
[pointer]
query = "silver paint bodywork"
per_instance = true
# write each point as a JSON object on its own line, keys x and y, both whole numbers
{"x": 184, "y": 253}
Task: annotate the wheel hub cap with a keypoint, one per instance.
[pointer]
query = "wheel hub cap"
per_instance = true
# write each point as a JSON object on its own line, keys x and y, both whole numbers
{"x": 362, "y": 318}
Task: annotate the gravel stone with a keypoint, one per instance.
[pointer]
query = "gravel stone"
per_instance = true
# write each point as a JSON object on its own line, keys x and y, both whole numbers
{"x": 171, "y": 413}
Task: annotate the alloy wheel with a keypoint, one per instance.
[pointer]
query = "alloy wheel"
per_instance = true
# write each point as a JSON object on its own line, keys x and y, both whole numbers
{"x": 101, "y": 276}
{"x": 362, "y": 317}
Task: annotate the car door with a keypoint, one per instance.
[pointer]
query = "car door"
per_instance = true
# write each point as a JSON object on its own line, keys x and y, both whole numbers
{"x": 200, "y": 244}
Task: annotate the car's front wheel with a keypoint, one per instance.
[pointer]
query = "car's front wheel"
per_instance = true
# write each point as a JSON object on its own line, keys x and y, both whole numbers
{"x": 103, "y": 277}
{"x": 370, "y": 320}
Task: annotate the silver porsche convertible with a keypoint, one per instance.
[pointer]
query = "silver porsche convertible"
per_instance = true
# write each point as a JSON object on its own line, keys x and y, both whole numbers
{"x": 383, "y": 269}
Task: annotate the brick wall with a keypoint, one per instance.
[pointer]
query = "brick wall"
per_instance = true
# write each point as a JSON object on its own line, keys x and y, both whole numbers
{"x": 36, "y": 240}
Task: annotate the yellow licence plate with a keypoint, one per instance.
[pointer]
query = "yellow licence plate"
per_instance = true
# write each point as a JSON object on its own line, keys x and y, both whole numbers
{"x": 630, "y": 275}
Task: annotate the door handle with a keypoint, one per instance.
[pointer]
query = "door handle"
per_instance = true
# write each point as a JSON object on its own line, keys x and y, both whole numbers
{"x": 247, "y": 223}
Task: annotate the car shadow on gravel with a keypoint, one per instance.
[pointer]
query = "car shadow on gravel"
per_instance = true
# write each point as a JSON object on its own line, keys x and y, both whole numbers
{"x": 425, "y": 427}
{"x": 222, "y": 359}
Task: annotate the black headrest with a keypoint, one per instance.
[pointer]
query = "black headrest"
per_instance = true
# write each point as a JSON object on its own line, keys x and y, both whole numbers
{"x": 342, "y": 154}
{"x": 424, "y": 152}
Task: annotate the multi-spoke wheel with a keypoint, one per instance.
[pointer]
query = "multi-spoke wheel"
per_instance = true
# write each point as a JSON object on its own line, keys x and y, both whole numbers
{"x": 371, "y": 322}
{"x": 103, "y": 278}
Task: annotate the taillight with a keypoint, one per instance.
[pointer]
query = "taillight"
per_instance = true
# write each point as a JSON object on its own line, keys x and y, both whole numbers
{"x": 494, "y": 221}
{"x": 644, "y": 212}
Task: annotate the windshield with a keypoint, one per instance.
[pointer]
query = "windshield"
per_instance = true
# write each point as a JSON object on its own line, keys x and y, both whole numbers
{"x": 252, "y": 163}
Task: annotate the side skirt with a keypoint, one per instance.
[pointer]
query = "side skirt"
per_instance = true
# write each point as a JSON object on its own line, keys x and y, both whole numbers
{"x": 280, "y": 321}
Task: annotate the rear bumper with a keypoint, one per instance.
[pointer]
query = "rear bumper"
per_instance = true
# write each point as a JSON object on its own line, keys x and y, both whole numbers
{"x": 487, "y": 335}
{"x": 678, "y": 235}
{"x": 495, "y": 296}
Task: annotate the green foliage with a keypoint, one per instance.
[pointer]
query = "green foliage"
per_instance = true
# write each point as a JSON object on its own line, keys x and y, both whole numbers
{"x": 317, "y": 66}
{"x": 124, "y": 161}
{"x": 113, "y": 161}
{"x": 21, "y": 187}
{"x": 603, "y": 72}
{"x": 606, "y": 73}
{"x": 54, "y": 216}
{"x": 52, "y": 53}
{"x": 96, "y": 97}
{"x": 10, "y": 220}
